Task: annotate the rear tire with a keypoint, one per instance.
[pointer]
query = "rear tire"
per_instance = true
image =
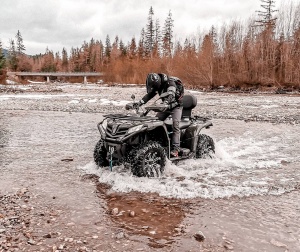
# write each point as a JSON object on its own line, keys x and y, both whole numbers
{"x": 148, "y": 160}
{"x": 100, "y": 154}
{"x": 205, "y": 147}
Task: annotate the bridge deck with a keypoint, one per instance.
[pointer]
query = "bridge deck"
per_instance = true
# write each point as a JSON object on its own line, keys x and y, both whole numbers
{"x": 57, "y": 74}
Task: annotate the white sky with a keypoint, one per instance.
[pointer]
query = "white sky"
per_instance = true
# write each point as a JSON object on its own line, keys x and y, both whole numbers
{"x": 68, "y": 23}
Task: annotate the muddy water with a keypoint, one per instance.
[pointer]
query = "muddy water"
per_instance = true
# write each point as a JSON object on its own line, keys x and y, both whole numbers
{"x": 245, "y": 199}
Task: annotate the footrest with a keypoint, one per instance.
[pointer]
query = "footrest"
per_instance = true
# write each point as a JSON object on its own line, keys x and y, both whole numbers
{"x": 184, "y": 152}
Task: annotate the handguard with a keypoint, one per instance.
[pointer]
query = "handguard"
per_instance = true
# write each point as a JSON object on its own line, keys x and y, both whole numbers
{"x": 131, "y": 105}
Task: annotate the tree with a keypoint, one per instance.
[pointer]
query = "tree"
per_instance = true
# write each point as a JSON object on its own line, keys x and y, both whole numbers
{"x": 267, "y": 20}
{"x": 65, "y": 61}
{"x": 19, "y": 43}
{"x": 108, "y": 47}
{"x": 2, "y": 57}
{"x": 132, "y": 49}
{"x": 150, "y": 29}
{"x": 49, "y": 62}
{"x": 141, "y": 47}
{"x": 157, "y": 40}
{"x": 168, "y": 36}
{"x": 12, "y": 56}
{"x": 123, "y": 49}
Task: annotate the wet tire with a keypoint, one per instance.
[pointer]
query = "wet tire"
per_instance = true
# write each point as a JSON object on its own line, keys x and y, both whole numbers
{"x": 205, "y": 147}
{"x": 100, "y": 154}
{"x": 148, "y": 160}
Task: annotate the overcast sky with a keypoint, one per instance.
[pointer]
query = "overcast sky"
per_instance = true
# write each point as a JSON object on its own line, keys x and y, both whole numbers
{"x": 68, "y": 23}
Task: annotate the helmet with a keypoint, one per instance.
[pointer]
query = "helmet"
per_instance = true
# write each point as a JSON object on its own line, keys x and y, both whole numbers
{"x": 153, "y": 82}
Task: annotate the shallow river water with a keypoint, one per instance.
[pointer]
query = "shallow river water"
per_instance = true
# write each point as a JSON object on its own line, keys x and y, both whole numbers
{"x": 244, "y": 199}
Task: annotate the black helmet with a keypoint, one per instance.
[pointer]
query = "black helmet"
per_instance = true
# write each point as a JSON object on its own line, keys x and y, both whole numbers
{"x": 153, "y": 82}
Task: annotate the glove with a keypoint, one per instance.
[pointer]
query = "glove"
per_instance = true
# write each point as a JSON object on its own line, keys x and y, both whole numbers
{"x": 167, "y": 106}
{"x": 129, "y": 106}
{"x": 134, "y": 105}
{"x": 169, "y": 99}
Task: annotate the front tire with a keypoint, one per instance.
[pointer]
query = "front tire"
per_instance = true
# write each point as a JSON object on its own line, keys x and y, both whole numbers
{"x": 100, "y": 154}
{"x": 205, "y": 147}
{"x": 148, "y": 160}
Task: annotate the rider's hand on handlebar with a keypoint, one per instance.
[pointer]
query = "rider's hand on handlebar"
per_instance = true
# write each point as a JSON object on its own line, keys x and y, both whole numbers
{"x": 132, "y": 105}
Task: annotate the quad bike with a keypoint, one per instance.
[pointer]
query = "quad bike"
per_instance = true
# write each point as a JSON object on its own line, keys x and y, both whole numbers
{"x": 143, "y": 142}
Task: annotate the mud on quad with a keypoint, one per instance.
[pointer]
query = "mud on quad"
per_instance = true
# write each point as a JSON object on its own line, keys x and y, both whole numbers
{"x": 143, "y": 142}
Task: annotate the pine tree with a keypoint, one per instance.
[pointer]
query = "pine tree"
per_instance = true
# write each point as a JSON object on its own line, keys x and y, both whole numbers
{"x": 107, "y": 47}
{"x": 157, "y": 40}
{"x": 20, "y": 48}
{"x": 141, "y": 47}
{"x": 150, "y": 30}
{"x": 123, "y": 49}
{"x": 132, "y": 49}
{"x": 65, "y": 61}
{"x": 12, "y": 56}
{"x": 2, "y": 57}
{"x": 267, "y": 20}
{"x": 168, "y": 36}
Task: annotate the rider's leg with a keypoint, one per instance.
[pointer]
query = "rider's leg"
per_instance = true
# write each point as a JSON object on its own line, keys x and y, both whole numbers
{"x": 163, "y": 115}
{"x": 176, "y": 117}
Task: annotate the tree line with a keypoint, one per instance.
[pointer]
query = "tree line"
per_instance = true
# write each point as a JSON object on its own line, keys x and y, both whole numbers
{"x": 261, "y": 52}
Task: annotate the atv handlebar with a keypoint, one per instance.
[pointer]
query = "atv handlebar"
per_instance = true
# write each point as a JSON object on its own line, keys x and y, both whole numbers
{"x": 154, "y": 107}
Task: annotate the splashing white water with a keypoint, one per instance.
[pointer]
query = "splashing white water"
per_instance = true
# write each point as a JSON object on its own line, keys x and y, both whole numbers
{"x": 255, "y": 163}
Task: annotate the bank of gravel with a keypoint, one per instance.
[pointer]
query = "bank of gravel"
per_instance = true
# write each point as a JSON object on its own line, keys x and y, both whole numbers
{"x": 265, "y": 107}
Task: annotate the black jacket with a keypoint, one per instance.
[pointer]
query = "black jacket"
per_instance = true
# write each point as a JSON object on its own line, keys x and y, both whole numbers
{"x": 165, "y": 86}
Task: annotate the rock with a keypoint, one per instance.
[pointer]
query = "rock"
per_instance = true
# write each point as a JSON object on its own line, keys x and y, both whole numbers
{"x": 69, "y": 239}
{"x": 228, "y": 246}
{"x": 31, "y": 242}
{"x": 47, "y": 236}
{"x": 278, "y": 244}
{"x": 61, "y": 247}
{"x": 115, "y": 211}
{"x": 131, "y": 213}
{"x": 120, "y": 235}
{"x": 199, "y": 236}
{"x": 67, "y": 159}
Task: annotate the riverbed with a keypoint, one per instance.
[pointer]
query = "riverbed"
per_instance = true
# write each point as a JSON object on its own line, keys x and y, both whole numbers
{"x": 244, "y": 199}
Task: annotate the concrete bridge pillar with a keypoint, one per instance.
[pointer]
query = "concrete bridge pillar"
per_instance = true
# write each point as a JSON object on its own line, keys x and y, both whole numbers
{"x": 48, "y": 79}
{"x": 84, "y": 80}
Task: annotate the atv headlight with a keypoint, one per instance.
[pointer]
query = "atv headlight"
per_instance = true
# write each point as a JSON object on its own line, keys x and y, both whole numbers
{"x": 104, "y": 124}
{"x": 135, "y": 129}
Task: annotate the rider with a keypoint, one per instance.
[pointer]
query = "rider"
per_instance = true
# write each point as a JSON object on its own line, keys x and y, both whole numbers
{"x": 158, "y": 83}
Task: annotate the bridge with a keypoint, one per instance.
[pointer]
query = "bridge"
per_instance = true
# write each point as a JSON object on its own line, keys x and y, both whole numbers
{"x": 57, "y": 74}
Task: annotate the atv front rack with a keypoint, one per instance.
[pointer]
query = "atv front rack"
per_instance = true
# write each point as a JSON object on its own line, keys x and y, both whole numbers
{"x": 130, "y": 117}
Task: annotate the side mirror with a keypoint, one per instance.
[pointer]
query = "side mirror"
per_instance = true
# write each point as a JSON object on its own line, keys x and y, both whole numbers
{"x": 133, "y": 97}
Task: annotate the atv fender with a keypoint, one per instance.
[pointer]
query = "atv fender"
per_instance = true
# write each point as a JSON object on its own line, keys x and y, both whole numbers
{"x": 191, "y": 135}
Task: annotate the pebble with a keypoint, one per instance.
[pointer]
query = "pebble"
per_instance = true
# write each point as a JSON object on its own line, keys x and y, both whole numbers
{"x": 199, "y": 236}
{"x": 115, "y": 211}
{"x": 131, "y": 213}
{"x": 31, "y": 242}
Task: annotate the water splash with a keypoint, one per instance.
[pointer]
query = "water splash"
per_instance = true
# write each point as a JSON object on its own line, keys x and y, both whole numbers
{"x": 255, "y": 163}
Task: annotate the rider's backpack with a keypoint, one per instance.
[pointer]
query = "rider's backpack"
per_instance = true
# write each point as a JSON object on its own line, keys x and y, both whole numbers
{"x": 179, "y": 88}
